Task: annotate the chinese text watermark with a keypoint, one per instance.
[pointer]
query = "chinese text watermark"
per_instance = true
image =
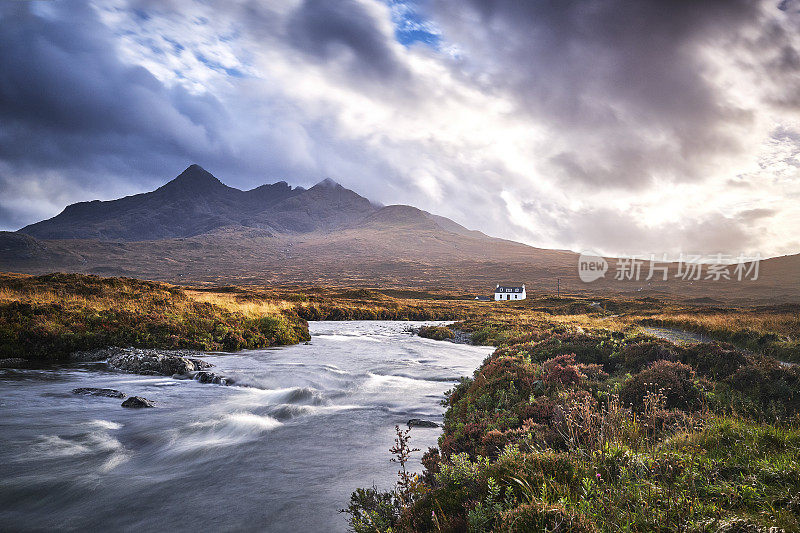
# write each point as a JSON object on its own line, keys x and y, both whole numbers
{"x": 651, "y": 267}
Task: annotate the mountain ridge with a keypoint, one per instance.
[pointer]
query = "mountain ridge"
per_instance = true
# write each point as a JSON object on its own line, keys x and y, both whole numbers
{"x": 197, "y": 202}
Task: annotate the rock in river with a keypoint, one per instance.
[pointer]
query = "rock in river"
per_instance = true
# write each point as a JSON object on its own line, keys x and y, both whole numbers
{"x": 154, "y": 362}
{"x": 419, "y": 423}
{"x": 210, "y": 377}
{"x": 137, "y": 402}
{"x": 95, "y": 391}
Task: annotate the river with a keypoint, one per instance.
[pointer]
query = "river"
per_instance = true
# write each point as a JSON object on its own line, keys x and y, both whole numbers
{"x": 279, "y": 451}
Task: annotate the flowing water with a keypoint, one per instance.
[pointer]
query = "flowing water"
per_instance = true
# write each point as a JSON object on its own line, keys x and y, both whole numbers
{"x": 279, "y": 451}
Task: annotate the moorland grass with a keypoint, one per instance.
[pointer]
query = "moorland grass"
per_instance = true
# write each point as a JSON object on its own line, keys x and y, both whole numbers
{"x": 572, "y": 427}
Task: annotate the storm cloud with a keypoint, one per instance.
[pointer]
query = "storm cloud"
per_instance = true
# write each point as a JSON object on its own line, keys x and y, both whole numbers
{"x": 622, "y": 127}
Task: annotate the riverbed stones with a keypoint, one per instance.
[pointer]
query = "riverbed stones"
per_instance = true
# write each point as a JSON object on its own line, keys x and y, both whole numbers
{"x": 420, "y": 423}
{"x": 96, "y": 391}
{"x": 153, "y": 362}
{"x": 137, "y": 402}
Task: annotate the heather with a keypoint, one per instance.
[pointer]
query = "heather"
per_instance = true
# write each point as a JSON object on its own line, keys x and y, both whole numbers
{"x": 570, "y": 426}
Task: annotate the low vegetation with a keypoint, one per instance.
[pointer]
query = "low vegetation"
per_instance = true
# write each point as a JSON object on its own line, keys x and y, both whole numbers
{"x": 437, "y": 333}
{"x": 48, "y": 317}
{"x": 577, "y": 423}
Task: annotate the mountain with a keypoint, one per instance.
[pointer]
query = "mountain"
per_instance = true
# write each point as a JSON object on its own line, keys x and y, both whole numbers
{"x": 193, "y": 203}
{"x": 195, "y": 229}
{"x": 324, "y": 207}
{"x": 196, "y": 202}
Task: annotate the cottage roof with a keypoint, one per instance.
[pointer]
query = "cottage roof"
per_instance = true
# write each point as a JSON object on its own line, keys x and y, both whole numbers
{"x": 516, "y": 287}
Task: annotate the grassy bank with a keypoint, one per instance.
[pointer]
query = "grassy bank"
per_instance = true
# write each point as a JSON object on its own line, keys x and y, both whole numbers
{"x": 48, "y": 317}
{"x": 574, "y": 425}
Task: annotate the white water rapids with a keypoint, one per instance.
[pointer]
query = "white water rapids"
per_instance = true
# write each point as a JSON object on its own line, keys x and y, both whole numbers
{"x": 279, "y": 451}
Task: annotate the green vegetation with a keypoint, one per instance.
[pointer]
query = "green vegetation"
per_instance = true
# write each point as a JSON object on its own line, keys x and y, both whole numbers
{"x": 437, "y": 333}
{"x": 48, "y": 317}
{"x": 581, "y": 424}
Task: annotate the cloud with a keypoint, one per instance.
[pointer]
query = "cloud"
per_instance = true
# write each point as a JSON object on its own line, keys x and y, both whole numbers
{"x": 605, "y": 124}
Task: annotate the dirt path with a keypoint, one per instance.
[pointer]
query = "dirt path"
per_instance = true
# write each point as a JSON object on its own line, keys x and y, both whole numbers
{"x": 679, "y": 336}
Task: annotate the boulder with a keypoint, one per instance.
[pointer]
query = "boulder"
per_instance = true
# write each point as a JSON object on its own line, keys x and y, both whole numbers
{"x": 92, "y": 356}
{"x": 154, "y": 362}
{"x": 419, "y": 423}
{"x": 210, "y": 377}
{"x": 137, "y": 402}
{"x": 95, "y": 391}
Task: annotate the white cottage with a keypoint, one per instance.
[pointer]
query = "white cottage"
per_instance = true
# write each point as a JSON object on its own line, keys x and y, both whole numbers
{"x": 510, "y": 292}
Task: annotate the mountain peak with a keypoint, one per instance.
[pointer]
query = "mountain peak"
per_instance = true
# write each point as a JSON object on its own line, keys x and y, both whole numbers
{"x": 327, "y": 183}
{"x": 194, "y": 179}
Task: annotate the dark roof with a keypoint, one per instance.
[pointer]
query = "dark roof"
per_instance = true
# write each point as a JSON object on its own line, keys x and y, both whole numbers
{"x": 501, "y": 288}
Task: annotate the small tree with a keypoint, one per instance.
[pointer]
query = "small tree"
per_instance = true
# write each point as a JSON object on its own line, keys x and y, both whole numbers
{"x": 375, "y": 511}
{"x": 402, "y": 451}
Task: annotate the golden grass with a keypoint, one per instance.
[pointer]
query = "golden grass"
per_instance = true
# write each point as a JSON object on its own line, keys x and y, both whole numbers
{"x": 73, "y": 301}
{"x": 785, "y": 324}
{"x": 234, "y": 304}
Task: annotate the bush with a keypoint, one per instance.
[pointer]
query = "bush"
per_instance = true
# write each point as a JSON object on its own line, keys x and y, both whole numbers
{"x": 716, "y": 360}
{"x": 437, "y": 333}
{"x": 540, "y": 516}
{"x": 373, "y": 511}
{"x": 674, "y": 380}
{"x": 773, "y": 390}
{"x": 638, "y": 355}
{"x": 587, "y": 349}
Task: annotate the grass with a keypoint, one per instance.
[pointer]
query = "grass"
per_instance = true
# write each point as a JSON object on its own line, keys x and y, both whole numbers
{"x": 48, "y": 317}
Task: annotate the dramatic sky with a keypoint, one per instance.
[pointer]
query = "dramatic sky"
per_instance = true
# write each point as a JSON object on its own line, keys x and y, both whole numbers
{"x": 611, "y": 125}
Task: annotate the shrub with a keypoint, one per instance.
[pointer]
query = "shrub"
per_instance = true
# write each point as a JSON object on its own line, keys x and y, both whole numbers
{"x": 716, "y": 360}
{"x": 772, "y": 388}
{"x": 675, "y": 380}
{"x": 563, "y": 371}
{"x": 588, "y": 349}
{"x": 540, "y": 516}
{"x": 373, "y": 511}
{"x": 437, "y": 333}
{"x": 637, "y": 355}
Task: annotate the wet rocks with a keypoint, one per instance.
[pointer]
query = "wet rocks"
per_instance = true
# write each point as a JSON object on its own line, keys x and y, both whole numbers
{"x": 420, "y": 423}
{"x": 137, "y": 402}
{"x": 210, "y": 377}
{"x": 155, "y": 362}
{"x": 91, "y": 356}
{"x": 95, "y": 391}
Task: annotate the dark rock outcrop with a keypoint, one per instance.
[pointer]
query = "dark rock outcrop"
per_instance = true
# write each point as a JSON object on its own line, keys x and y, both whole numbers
{"x": 91, "y": 356}
{"x": 95, "y": 391}
{"x": 137, "y": 402}
{"x": 420, "y": 423}
{"x": 155, "y": 362}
